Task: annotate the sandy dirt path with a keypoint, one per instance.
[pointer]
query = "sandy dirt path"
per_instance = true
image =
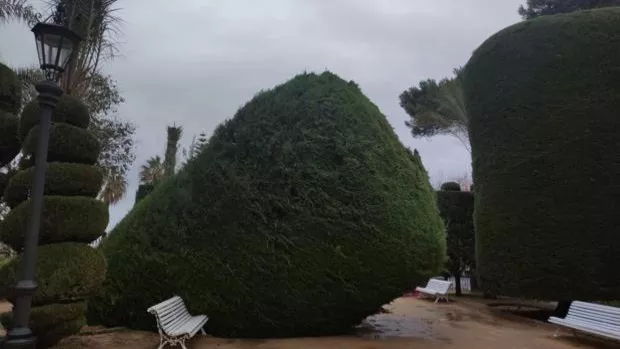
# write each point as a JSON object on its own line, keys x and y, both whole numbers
{"x": 410, "y": 324}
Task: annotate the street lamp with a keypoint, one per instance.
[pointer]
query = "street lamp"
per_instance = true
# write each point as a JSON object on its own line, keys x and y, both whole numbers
{"x": 55, "y": 46}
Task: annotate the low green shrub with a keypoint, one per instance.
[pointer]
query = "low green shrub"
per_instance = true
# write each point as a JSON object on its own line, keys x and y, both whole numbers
{"x": 67, "y": 144}
{"x": 61, "y": 178}
{"x": 64, "y": 218}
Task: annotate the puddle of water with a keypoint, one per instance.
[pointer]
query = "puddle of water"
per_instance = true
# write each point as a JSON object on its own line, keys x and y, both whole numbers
{"x": 390, "y": 325}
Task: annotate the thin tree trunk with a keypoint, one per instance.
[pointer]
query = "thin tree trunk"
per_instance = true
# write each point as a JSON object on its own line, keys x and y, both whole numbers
{"x": 457, "y": 284}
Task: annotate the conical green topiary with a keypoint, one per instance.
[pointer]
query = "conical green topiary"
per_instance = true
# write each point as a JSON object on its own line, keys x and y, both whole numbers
{"x": 544, "y": 100}
{"x": 302, "y": 216}
{"x": 68, "y": 270}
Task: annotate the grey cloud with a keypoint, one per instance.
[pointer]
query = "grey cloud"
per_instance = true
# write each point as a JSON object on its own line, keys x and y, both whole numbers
{"x": 195, "y": 62}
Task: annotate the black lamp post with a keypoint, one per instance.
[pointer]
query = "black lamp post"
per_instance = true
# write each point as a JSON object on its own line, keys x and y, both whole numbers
{"x": 55, "y": 46}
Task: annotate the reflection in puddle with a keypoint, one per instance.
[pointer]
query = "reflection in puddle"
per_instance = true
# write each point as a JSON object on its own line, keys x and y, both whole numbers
{"x": 391, "y": 325}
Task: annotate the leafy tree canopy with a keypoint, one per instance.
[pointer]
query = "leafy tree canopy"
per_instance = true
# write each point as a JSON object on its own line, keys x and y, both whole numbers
{"x": 537, "y": 8}
{"x": 437, "y": 108}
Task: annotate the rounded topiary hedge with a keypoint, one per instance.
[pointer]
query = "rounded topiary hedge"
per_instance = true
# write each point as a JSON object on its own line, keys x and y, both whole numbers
{"x": 451, "y": 186}
{"x": 543, "y": 97}
{"x": 64, "y": 218}
{"x": 69, "y": 110}
{"x": 61, "y": 178}
{"x": 65, "y": 273}
{"x": 67, "y": 144}
{"x": 303, "y": 215}
{"x": 10, "y": 90}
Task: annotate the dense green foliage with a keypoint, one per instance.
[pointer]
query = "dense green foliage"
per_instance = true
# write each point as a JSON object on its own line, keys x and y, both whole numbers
{"x": 457, "y": 211}
{"x": 143, "y": 191}
{"x": 10, "y": 102}
{"x": 60, "y": 178}
{"x": 10, "y": 90}
{"x": 544, "y": 154}
{"x": 66, "y": 272}
{"x": 64, "y": 218}
{"x": 43, "y": 318}
{"x": 9, "y": 141}
{"x": 69, "y": 110}
{"x": 537, "y": 8}
{"x": 451, "y": 186}
{"x": 67, "y": 144}
{"x": 302, "y": 216}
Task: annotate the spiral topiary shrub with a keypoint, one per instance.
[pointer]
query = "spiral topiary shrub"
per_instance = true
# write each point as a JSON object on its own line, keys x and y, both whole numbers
{"x": 60, "y": 178}
{"x": 67, "y": 144}
{"x": 543, "y": 97}
{"x": 69, "y": 110}
{"x": 64, "y": 218}
{"x": 302, "y": 216}
{"x": 68, "y": 270}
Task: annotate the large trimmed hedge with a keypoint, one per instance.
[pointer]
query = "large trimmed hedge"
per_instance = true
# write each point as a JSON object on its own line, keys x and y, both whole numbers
{"x": 64, "y": 218}
{"x": 66, "y": 272}
{"x": 543, "y": 97}
{"x": 302, "y": 216}
{"x": 67, "y": 143}
{"x": 61, "y": 178}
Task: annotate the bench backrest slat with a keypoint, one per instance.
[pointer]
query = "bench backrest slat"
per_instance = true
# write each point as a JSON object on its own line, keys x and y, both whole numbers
{"x": 171, "y": 314}
{"x": 602, "y": 316}
{"x": 440, "y": 286}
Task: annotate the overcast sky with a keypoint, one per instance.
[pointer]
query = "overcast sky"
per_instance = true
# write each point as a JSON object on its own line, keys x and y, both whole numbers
{"x": 195, "y": 62}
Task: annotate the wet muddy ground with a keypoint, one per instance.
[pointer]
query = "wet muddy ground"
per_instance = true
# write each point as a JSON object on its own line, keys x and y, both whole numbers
{"x": 410, "y": 323}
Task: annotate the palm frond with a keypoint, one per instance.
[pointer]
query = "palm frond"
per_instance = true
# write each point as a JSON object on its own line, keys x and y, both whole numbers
{"x": 18, "y": 10}
{"x": 113, "y": 189}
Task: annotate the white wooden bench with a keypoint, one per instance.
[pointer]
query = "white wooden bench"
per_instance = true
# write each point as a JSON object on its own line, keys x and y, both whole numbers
{"x": 601, "y": 320}
{"x": 174, "y": 322}
{"x": 437, "y": 288}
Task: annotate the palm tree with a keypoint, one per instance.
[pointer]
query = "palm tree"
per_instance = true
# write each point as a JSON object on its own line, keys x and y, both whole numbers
{"x": 172, "y": 146}
{"x": 18, "y": 10}
{"x": 153, "y": 171}
{"x": 95, "y": 21}
{"x": 114, "y": 189}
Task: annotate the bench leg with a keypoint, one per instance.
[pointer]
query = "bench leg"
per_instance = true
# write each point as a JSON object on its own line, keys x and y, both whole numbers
{"x": 202, "y": 330}
{"x": 557, "y": 332}
{"x": 436, "y": 299}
